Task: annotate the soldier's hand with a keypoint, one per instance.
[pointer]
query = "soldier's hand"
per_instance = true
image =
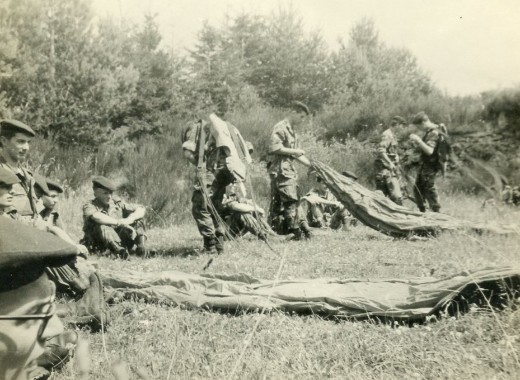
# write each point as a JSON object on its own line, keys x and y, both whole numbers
{"x": 414, "y": 138}
{"x": 82, "y": 250}
{"x": 126, "y": 221}
{"x": 299, "y": 152}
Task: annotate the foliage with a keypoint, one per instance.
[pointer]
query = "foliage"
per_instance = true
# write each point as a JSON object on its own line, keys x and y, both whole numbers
{"x": 503, "y": 107}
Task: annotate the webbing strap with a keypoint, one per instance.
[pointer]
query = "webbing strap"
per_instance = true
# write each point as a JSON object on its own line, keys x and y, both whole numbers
{"x": 202, "y": 143}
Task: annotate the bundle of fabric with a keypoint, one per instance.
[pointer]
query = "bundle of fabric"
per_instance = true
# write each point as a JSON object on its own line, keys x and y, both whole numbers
{"x": 380, "y": 213}
{"x": 411, "y": 299}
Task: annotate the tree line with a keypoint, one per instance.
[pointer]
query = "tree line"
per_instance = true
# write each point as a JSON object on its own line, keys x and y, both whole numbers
{"x": 79, "y": 80}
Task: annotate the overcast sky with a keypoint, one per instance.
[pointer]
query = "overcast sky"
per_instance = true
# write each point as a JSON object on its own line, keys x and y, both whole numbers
{"x": 467, "y": 46}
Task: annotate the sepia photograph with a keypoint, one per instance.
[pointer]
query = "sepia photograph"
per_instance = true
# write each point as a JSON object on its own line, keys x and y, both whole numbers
{"x": 244, "y": 189}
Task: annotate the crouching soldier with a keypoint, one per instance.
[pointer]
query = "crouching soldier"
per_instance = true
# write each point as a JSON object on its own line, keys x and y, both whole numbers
{"x": 323, "y": 209}
{"x": 111, "y": 224}
{"x": 243, "y": 215}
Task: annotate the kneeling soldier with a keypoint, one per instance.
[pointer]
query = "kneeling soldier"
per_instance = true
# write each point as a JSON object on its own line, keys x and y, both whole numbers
{"x": 110, "y": 223}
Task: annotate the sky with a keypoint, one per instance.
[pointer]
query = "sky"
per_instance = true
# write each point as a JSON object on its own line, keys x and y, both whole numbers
{"x": 467, "y": 46}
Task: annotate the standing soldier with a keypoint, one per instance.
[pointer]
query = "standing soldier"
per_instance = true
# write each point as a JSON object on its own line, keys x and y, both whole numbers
{"x": 387, "y": 163}
{"x": 200, "y": 149}
{"x": 283, "y": 212}
{"x": 424, "y": 189}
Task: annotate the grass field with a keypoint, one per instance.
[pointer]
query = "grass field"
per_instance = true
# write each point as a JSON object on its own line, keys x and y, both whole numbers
{"x": 172, "y": 343}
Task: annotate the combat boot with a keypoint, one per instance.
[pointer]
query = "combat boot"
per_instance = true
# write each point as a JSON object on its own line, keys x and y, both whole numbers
{"x": 141, "y": 249}
{"x": 305, "y": 229}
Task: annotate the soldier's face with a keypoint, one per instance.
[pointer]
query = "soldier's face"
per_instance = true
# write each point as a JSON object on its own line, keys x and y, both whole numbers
{"x": 103, "y": 195}
{"x": 6, "y": 195}
{"x": 50, "y": 201}
{"x": 22, "y": 340}
{"x": 17, "y": 147}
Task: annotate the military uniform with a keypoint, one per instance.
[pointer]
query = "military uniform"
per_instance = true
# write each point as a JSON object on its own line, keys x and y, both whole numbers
{"x": 283, "y": 211}
{"x": 323, "y": 214}
{"x": 215, "y": 177}
{"x": 424, "y": 189}
{"x": 240, "y": 223}
{"x": 25, "y": 201}
{"x": 101, "y": 237}
{"x": 387, "y": 180}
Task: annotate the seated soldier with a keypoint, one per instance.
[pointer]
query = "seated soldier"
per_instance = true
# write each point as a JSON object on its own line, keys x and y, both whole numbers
{"x": 243, "y": 215}
{"x": 110, "y": 223}
{"x": 323, "y": 209}
{"x": 48, "y": 191}
{"x": 29, "y": 325}
{"x": 71, "y": 279}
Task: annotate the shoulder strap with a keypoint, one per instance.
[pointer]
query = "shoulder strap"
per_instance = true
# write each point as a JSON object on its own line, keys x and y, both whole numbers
{"x": 202, "y": 140}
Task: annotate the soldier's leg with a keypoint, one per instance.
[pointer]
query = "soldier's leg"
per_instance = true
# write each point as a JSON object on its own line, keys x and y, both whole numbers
{"x": 106, "y": 237}
{"x": 394, "y": 189}
{"x": 419, "y": 191}
{"x": 381, "y": 183}
{"x": 431, "y": 192}
{"x": 203, "y": 219}
{"x": 275, "y": 207}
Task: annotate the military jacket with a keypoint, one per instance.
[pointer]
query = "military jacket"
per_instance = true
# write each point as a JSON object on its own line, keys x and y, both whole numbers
{"x": 431, "y": 138}
{"x": 388, "y": 145}
{"x": 24, "y": 198}
{"x": 116, "y": 209}
{"x": 283, "y": 136}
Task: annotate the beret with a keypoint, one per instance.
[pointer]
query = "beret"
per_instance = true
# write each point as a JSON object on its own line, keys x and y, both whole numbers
{"x": 104, "y": 182}
{"x": 16, "y": 125}
{"x": 7, "y": 177}
{"x": 25, "y": 250}
{"x": 54, "y": 185}
{"x": 40, "y": 182}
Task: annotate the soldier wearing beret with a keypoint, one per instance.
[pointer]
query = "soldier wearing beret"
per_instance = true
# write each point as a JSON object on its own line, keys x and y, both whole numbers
{"x": 48, "y": 191}
{"x": 15, "y": 139}
{"x": 387, "y": 162}
{"x": 29, "y": 326}
{"x": 283, "y": 146}
{"x": 110, "y": 223}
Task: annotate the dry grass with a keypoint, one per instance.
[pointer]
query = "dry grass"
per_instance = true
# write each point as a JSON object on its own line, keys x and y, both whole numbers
{"x": 203, "y": 345}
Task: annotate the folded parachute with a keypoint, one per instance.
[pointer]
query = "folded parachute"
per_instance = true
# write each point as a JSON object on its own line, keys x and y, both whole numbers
{"x": 380, "y": 213}
{"x": 411, "y": 299}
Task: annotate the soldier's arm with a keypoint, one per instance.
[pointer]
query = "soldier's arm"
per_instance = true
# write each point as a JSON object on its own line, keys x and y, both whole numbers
{"x": 426, "y": 148}
{"x": 137, "y": 214}
{"x": 102, "y": 218}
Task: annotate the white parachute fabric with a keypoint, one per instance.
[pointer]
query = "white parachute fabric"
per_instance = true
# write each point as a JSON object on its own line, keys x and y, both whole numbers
{"x": 411, "y": 299}
{"x": 380, "y": 213}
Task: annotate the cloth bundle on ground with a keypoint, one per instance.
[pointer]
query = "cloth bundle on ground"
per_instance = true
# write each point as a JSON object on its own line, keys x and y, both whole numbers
{"x": 380, "y": 213}
{"x": 412, "y": 299}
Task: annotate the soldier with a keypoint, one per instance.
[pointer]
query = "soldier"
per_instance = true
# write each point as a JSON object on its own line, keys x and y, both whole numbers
{"x": 15, "y": 139}
{"x": 424, "y": 189}
{"x": 199, "y": 148}
{"x": 48, "y": 192}
{"x": 387, "y": 163}
{"x": 283, "y": 211}
{"x": 110, "y": 223}
{"x": 323, "y": 209}
{"x": 28, "y": 320}
{"x": 243, "y": 215}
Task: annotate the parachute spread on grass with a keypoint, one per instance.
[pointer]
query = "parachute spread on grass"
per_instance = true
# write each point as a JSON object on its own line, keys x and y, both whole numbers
{"x": 380, "y": 213}
{"x": 407, "y": 299}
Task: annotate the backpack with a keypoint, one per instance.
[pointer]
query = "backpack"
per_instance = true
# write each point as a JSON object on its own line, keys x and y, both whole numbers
{"x": 443, "y": 149}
